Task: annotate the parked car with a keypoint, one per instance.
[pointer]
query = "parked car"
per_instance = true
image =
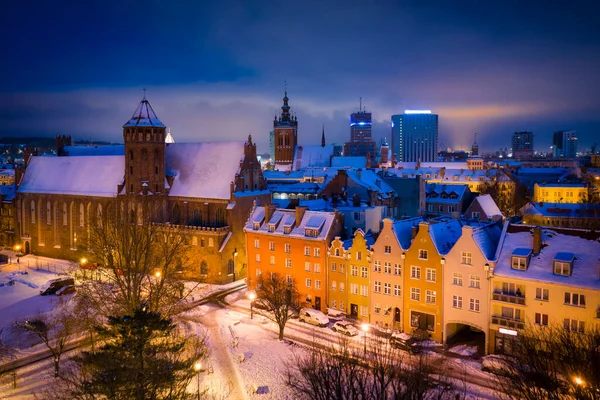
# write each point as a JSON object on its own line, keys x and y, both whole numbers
{"x": 52, "y": 286}
{"x": 65, "y": 290}
{"x": 404, "y": 341}
{"x": 313, "y": 317}
{"x": 345, "y": 327}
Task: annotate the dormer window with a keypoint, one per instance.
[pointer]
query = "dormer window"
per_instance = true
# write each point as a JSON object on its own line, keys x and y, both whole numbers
{"x": 256, "y": 226}
{"x": 287, "y": 229}
{"x": 520, "y": 258}
{"x": 311, "y": 232}
{"x": 563, "y": 263}
{"x": 519, "y": 263}
{"x": 271, "y": 227}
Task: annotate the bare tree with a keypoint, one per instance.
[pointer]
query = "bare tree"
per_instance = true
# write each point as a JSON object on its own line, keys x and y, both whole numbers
{"x": 279, "y": 296}
{"x": 54, "y": 329}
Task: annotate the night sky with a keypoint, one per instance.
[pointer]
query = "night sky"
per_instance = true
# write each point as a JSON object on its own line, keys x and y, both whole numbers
{"x": 215, "y": 70}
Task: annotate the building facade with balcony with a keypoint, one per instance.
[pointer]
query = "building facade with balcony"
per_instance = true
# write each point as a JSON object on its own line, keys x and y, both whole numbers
{"x": 544, "y": 277}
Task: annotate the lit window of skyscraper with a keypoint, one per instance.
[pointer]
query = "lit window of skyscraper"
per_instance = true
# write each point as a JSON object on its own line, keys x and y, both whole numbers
{"x": 415, "y": 136}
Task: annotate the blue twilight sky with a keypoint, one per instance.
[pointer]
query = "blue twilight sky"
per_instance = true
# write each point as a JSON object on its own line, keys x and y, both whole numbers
{"x": 214, "y": 70}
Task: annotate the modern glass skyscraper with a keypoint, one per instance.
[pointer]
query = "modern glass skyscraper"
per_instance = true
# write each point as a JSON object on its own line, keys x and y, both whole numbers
{"x": 361, "y": 142}
{"x": 415, "y": 136}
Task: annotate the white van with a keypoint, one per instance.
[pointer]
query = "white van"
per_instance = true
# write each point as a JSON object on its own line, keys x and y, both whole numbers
{"x": 313, "y": 317}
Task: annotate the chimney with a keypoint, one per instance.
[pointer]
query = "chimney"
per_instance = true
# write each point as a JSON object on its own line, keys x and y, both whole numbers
{"x": 537, "y": 240}
{"x": 299, "y": 214}
{"x": 455, "y": 215}
{"x": 269, "y": 208}
{"x": 415, "y": 230}
{"x": 356, "y": 200}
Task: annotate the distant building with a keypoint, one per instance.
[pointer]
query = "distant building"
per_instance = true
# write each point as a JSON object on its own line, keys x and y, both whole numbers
{"x": 522, "y": 145}
{"x": 564, "y": 144}
{"x": 384, "y": 152}
{"x": 272, "y": 147}
{"x": 444, "y": 199}
{"x": 416, "y": 135}
{"x": 361, "y": 142}
{"x": 285, "y": 130}
{"x": 484, "y": 208}
{"x": 560, "y": 192}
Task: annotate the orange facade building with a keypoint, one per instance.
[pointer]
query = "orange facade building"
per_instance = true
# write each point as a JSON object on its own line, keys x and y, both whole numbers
{"x": 292, "y": 243}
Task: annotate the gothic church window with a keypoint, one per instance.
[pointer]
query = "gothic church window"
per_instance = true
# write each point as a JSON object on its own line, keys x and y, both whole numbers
{"x": 48, "y": 213}
{"x": 81, "y": 215}
{"x": 131, "y": 155}
{"x": 65, "y": 214}
{"x": 32, "y": 211}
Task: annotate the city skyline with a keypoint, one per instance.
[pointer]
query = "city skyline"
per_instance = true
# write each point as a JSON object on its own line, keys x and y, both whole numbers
{"x": 217, "y": 73}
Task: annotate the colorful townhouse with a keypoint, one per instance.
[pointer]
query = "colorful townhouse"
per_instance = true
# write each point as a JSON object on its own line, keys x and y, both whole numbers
{"x": 293, "y": 243}
{"x": 544, "y": 277}
{"x": 336, "y": 274}
{"x": 358, "y": 269}
{"x": 387, "y": 294}
{"x": 466, "y": 276}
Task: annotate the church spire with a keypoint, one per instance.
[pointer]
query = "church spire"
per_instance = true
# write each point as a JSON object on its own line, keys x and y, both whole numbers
{"x": 323, "y": 137}
{"x": 475, "y": 147}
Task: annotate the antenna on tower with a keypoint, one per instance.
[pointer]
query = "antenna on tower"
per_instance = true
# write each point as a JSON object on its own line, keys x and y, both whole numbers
{"x": 475, "y": 140}
{"x": 360, "y": 104}
{"x": 144, "y": 94}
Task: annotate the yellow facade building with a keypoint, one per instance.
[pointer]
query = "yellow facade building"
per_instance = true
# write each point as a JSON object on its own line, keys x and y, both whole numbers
{"x": 337, "y": 280}
{"x": 560, "y": 192}
{"x": 358, "y": 274}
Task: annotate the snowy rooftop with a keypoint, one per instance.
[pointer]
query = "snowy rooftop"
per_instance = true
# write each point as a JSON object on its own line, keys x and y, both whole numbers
{"x": 445, "y": 234}
{"x": 488, "y": 205}
{"x": 575, "y": 210}
{"x": 586, "y": 267}
{"x": 144, "y": 116}
{"x": 310, "y": 220}
{"x": 313, "y": 156}
{"x": 95, "y": 150}
{"x": 488, "y": 238}
{"x": 370, "y": 180}
{"x": 564, "y": 185}
{"x": 403, "y": 230}
{"x": 80, "y": 176}
{"x": 349, "y": 162}
{"x": 441, "y": 193}
{"x": 434, "y": 165}
{"x": 203, "y": 170}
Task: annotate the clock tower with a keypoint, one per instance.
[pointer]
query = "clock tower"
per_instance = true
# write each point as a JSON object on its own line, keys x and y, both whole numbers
{"x": 285, "y": 129}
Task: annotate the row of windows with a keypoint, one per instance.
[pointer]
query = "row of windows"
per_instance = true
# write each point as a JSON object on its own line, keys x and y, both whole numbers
{"x": 457, "y": 302}
{"x": 387, "y": 288}
{"x": 309, "y": 283}
{"x": 387, "y": 267}
{"x": 474, "y": 280}
{"x": 430, "y": 295}
{"x": 65, "y": 214}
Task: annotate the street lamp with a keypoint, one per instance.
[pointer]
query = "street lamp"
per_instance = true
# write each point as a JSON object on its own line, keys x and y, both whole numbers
{"x": 252, "y": 296}
{"x": 18, "y": 248}
{"x": 83, "y": 261}
{"x": 578, "y": 381}
{"x": 235, "y": 253}
{"x": 157, "y": 274}
{"x": 365, "y": 329}
{"x": 197, "y": 368}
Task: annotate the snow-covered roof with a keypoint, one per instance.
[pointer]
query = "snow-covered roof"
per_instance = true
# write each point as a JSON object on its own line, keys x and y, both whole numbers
{"x": 96, "y": 176}
{"x": 434, "y": 165}
{"x": 566, "y": 210}
{"x": 203, "y": 170}
{"x": 283, "y": 176}
{"x": 487, "y": 238}
{"x": 445, "y": 234}
{"x": 95, "y": 150}
{"x": 297, "y": 187}
{"x": 283, "y": 167}
{"x": 313, "y": 156}
{"x": 144, "y": 116}
{"x": 349, "y": 162}
{"x": 310, "y": 220}
{"x": 586, "y": 266}
{"x": 436, "y": 191}
{"x": 8, "y": 192}
{"x": 370, "y": 180}
{"x": 488, "y": 205}
{"x": 403, "y": 230}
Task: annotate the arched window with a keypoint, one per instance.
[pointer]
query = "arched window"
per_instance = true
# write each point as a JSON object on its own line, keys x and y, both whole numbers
{"x": 81, "y": 215}
{"x": 220, "y": 218}
{"x": 32, "y": 210}
{"x": 203, "y": 268}
{"x": 131, "y": 155}
{"x": 194, "y": 241}
{"x": 65, "y": 215}
{"x": 197, "y": 217}
{"x": 99, "y": 214}
{"x": 48, "y": 213}
{"x": 211, "y": 242}
{"x": 140, "y": 214}
{"x": 337, "y": 252}
{"x": 176, "y": 213}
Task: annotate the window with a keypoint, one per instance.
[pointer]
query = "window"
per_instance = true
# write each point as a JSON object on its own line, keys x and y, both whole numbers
{"x": 364, "y": 290}
{"x": 364, "y": 272}
{"x": 377, "y": 266}
{"x": 562, "y": 268}
{"x": 519, "y": 263}
{"x": 430, "y": 275}
{"x": 430, "y": 208}
{"x": 387, "y": 267}
{"x": 415, "y": 294}
{"x": 357, "y": 216}
{"x": 397, "y": 269}
{"x": 211, "y": 242}
{"x": 354, "y": 288}
{"x": 430, "y": 296}
{"x": 337, "y": 252}
{"x": 542, "y": 294}
{"x": 575, "y": 299}
{"x": 307, "y": 266}
{"x": 541, "y": 319}
{"x": 387, "y": 249}
{"x": 48, "y": 213}
{"x": 422, "y": 254}
{"x": 440, "y": 209}
{"x": 272, "y": 260}
{"x": 359, "y": 255}
{"x": 272, "y": 246}
{"x": 451, "y": 209}
{"x": 354, "y": 270}
{"x": 465, "y": 257}
{"x": 258, "y": 272}
{"x": 377, "y": 287}
{"x": 81, "y": 215}
{"x": 308, "y": 282}
{"x": 317, "y": 284}
{"x": 317, "y": 252}
{"x": 377, "y": 308}
{"x": 288, "y": 263}
{"x": 256, "y": 244}
{"x": 255, "y": 226}
{"x": 257, "y": 258}
{"x": 387, "y": 288}
{"x": 342, "y": 287}
{"x": 333, "y": 267}
{"x": 287, "y": 248}
{"x": 475, "y": 282}
{"x": 397, "y": 291}
{"x": 307, "y": 251}
{"x": 342, "y": 268}
{"x": 415, "y": 272}
{"x": 364, "y": 311}
{"x": 457, "y": 279}
{"x": 333, "y": 285}
{"x": 342, "y": 305}
{"x": 289, "y": 279}
{"x": 333, "y": 304}
{"x": 65, "y": 214}
{"x": 202, "y": 242}
{"x": 573, "y": 325}
{"x": 474, "y": 305}
{"x": 457, "y": 301}
{"x": 317, "y": 267}
{"x": 204, "y": 268}
{"x": 287, "y": 229}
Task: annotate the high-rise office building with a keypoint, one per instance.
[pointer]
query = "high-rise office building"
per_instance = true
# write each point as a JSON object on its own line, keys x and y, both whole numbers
{"x": 361, "y": 142}
{"x": 564, "y": 144}
{"x": 522, "y": 145}
{"x": 415, "y": 136}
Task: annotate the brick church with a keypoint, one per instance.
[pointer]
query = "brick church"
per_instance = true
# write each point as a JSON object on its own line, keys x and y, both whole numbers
{"x": 205, "y": 191}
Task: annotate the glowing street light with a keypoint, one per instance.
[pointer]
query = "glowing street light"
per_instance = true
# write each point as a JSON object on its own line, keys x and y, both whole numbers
{"x": 157, "y": 274}
{"x": 365, "y": 329}
{"x": 197, "y": 368}
{"x": 252, "y": 297}
{"x": 83, "y": 261}
{"x": 578, "y": 381}
{"x": 17, "y": 248}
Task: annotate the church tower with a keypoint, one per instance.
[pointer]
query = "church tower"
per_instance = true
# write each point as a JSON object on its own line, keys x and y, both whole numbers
{"x": 144, "y": 137}
{"x": 285, "y": 130}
